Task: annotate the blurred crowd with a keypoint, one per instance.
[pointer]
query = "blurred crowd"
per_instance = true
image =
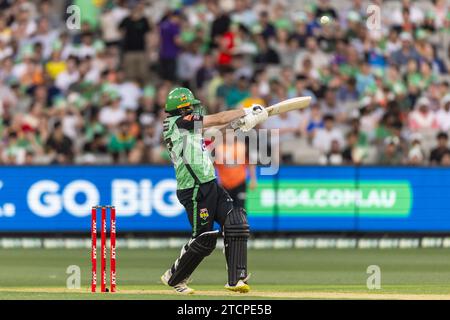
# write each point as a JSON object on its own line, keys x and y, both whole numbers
{"x": 93, "y": 92}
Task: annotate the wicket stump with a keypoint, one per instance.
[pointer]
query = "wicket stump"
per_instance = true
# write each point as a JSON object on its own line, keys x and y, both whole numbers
{"x": 112, "y": 239}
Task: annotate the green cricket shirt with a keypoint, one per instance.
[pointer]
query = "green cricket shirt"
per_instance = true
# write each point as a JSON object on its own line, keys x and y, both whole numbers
{"x": 186, "y": 146}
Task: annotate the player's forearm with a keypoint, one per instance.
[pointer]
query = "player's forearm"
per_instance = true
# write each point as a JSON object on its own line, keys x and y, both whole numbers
{"x": 221, "y": 128}
{"x": 222, "y": 118}
{"x": 227, "y": 116}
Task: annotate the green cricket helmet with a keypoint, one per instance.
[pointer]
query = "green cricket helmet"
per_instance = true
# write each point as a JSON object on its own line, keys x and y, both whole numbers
{"x": 181, "y": 99}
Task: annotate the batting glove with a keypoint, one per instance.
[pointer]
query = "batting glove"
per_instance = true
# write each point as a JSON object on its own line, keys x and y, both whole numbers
{"x": 256, "y": 115}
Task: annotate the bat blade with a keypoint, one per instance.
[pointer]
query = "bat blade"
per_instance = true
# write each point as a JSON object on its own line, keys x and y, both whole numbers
{"x": 288, "y": 105}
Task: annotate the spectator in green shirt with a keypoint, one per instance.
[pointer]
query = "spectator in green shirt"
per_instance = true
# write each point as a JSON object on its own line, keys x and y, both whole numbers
{"x": 391, "y": 155}
{"x": 122, "y": 142}
{"x": 238, "y": 93}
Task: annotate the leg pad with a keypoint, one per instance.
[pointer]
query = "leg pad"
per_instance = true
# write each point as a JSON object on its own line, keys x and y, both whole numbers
{"x": 191, "y": 255}
{"x": 236, "y": 233}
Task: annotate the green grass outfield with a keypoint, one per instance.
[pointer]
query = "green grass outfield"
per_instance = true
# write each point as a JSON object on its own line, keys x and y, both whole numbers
{"x": 283, "y": 274}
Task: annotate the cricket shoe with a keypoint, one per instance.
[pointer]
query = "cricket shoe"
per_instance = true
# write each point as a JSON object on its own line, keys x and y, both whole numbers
{"x": 240, "y": 287}
{"x": 181, "y": 287}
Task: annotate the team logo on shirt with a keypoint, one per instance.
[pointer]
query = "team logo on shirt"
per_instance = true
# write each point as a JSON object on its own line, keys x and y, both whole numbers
{"x": 204, "y": 214}
{"x": 203, "y": 144}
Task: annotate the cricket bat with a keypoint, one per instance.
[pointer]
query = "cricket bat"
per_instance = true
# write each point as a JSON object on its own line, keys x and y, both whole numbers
{"x": 288, "y": 105}
{"x": 280, "y": 107}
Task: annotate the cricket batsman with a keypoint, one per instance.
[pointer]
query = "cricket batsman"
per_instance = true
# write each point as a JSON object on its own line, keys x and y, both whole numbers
{"x": 203, "y": 198}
